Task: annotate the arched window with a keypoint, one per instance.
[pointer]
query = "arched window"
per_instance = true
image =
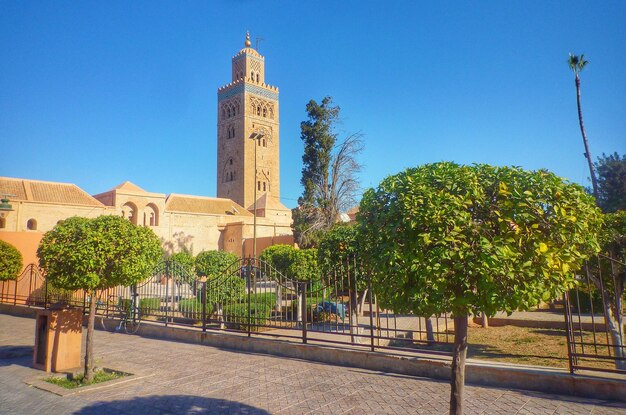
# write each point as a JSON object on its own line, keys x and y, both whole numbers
{"x": 31, "y": 225}
{"x": 258, "y": 110}
{"x": 230, "y": 161}
{"x": 151, "y": 215}
{"x": 223, "y": 113}
{"x": 264, "y": 186}
{"x": 258, "y": 185}
{"x": 3, "y": 223}
{"x": 264, "y": 112}
{"x": 257, "y": 78}
{"x": 264, "y": 143}
{"x": 129, "y": 211}
{"x": 252, "y": 75}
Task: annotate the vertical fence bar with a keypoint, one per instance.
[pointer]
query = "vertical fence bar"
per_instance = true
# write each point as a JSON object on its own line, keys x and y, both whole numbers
{"x": 203, "y": 298}
{"x": 568, "y": 331}
{"x": 249, "y": 308}
{"x": 15, "y": 292}
{"x": 167, "y": 285}
{"x": 369, "y": 291}
{"x": 304, "y": 311}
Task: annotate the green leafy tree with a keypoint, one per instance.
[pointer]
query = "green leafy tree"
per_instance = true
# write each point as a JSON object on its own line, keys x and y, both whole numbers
{"x": 329, "y": 173}
{"x": 611, "y": 182}
{"x": 211, "y": 264}
{"x": 96, "y": 254}
{"x": 577, "y": 64}
{"x": 342, "y": 269}
{"x": 185, "y": 265}
{"x": 278, "y": 256}
{"x": 477, "y": 239}
{"x": 10, "y": 261}
{"x": 224, "y": 281}
{"x": 294, "y": 263}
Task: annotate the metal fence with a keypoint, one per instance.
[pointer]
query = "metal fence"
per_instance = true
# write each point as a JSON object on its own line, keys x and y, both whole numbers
{"x": 253, "y": 298}
{"x": 594, "y": 316}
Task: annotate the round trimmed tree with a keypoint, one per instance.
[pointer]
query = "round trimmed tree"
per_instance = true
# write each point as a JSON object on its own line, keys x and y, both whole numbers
{"x": 446, "y": 238}
{"x": 10, "y": 261}
{"x": 96, "y": 254}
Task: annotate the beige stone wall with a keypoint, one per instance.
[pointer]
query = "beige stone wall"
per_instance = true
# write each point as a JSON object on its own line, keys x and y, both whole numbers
{"x": 46, "y": 215}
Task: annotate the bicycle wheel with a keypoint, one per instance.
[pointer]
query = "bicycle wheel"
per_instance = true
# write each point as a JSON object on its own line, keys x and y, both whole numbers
{"x": 108, "y": 323}
{"x": 132, "y": 322}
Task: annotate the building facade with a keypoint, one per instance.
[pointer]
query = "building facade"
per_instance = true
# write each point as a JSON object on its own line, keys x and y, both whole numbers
{"x": 246, "y": 168}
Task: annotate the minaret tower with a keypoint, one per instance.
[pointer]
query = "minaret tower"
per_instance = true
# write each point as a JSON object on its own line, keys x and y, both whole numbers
{"x": 247, "y": 107}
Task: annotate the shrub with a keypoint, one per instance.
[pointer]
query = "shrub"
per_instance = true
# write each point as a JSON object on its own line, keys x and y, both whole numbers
{"x": 190, "y": 308}
{"x": 10, "y": 261}
{"x": 213, "y": 263}
{"x": 149, "y": 305}
{"x": 184, "y": 266}
{"x": 237, "y": 315}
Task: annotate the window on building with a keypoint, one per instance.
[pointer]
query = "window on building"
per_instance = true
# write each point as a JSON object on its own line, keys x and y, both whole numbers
{"x": 258, "y": 185}
{"x": 265, "y": 112}
{"x": 257, "y": 78}
{"x": 3, "y": 223}
{"x": 31, "y": 225}
{"x": 264, "y": 143}
{"x": 252, "y": 75}
{"x": 230, "y": 162}
{"x": 258, "y": 110}
{"x": 264, "y": 186}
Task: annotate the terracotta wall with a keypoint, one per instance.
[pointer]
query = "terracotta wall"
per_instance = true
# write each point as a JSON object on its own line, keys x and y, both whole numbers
{"x": 25, "y": 242}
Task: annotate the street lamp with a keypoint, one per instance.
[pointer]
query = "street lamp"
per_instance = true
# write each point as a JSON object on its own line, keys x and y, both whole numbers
{"x": 5, "y": 207}
{"x": 256, "y": 137}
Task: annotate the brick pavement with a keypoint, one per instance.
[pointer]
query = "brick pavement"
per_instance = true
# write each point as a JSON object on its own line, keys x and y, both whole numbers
{"x": 193, "y": 379}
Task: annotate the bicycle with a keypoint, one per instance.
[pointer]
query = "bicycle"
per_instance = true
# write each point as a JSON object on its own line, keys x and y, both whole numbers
{"x": 125, "y": 315}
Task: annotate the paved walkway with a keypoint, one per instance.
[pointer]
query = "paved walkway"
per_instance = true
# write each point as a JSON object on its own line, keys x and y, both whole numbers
{"x": 194, "y": 379}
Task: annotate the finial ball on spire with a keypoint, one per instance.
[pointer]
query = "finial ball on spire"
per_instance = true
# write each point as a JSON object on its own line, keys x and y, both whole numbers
{"x": 248, "y": 43}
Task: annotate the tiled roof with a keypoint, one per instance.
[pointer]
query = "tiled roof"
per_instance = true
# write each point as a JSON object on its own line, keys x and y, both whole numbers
{"x": 46, "y": 192}
{"x": 206, "y": 205}
{"x": 268, "y": 202}
{"x": 128, "y": 186}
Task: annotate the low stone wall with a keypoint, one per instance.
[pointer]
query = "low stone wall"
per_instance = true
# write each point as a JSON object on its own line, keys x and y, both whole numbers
{"x": 547, "y": 380}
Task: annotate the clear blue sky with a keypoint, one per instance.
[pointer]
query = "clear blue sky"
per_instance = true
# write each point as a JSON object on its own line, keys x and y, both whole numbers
{"x": 96, "y": 93}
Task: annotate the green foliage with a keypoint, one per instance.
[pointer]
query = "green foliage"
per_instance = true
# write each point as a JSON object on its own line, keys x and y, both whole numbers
{"x": 224, "y": 288}
{"x": 328, "y": 173}
{"x": 149, "y": 305}
{"x": 338, "y": 248}
{"x": 278, "y": 256}
{"x": 471, "y": 239}
{"x": 237, "y": 314}
{"x": 99, "y": 376}
{"x": 184, "y": 264}
{"x": 613, "y": 237}
{"x": 213, "y": 263}
{"x": 191, "y": 308}
{"x": 10, "y": 261}
{"x": 611, "y": 182}
{"x": 81, "y": 253}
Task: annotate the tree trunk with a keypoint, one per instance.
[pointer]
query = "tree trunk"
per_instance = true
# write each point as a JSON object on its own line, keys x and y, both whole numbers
{"x": 88, "y": 373}
{"x": 592, "y": 172}
{"x": 458, "y": 364}
{"x": 485, "y": 320}
{"x": 617, "y": 338}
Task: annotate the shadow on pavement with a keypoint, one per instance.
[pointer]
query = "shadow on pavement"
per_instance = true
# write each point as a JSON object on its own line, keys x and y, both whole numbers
{"x": 170, "y": 404}
{"x": 16, "y": 355}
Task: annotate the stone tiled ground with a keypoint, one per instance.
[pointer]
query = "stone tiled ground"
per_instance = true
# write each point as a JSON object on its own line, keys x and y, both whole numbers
{"x": 193, "y": 379}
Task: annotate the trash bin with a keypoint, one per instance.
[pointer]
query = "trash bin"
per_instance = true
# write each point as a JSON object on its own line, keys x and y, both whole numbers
{"x": 58, "y": 339}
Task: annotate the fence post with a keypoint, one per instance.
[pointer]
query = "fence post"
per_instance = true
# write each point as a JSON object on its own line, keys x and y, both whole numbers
{"x": 30, "y": 285}
{"x": 45, "y": 287}
{"x": 304, "y": 311}
{"x": 369, "y": 290}
{"x": 167, "y": 286}
{"x": 203, "y": 298}
{"x": 15, "y": 291}
{"x": 249, "y": 297}
{"x": 568, "y": 331}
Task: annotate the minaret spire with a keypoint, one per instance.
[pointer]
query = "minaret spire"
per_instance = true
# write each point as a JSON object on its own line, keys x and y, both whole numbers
{"x": 248, "y": 43}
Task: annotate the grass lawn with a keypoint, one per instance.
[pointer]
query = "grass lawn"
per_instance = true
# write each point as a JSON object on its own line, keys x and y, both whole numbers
{"x": 524, "y": 345}
{"x": 78, "y": 381}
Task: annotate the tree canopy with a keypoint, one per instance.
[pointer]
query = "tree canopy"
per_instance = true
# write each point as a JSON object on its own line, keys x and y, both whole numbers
{"x": 611, "y": 182}
{"x": 81, "y": 253}
{"x": 297, "y": 264}
{"x": 470, "y": 239}
{"x": 329, "y": 173}
{"x": 93, "y": 254}
{"x": 212, "y": 264}
{"x": 11, "y": 262}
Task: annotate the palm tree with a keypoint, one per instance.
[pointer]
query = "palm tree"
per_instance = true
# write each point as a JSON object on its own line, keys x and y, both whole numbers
{"x": 576, "y": 64}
